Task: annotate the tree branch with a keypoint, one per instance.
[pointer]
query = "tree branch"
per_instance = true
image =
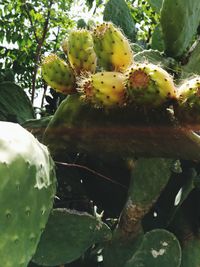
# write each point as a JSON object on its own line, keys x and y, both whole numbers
{"x": 38, "y": 51}
{"x": 31, "y": 22}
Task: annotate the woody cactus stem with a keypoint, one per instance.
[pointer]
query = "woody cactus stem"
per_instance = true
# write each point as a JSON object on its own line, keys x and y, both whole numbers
{"x": 151, "y": 173}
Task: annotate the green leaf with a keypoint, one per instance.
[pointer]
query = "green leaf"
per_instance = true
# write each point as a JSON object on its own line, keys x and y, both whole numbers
{"x": 68, "y": 235}
{"x": 15, "y": 105}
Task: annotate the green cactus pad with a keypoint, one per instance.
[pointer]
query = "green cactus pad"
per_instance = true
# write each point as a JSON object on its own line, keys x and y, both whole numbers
{"x": 179, "y": 22}
{"x": 27, "y": 192}
{"x": 149, "y": 177}
{"x": 122, "y": 248}
{"x": 112, "y": 48}
{"x": 190, "y": 253}
{"x": 156, "y": 4}
{"x": 80, "y": 51}
{"x": 157, "y": 42}
{"x": 68, "y": 235}
{"x": 158, "y": 248}
{"x": 58, "y": 74}
{"x": 119, "y": 13}
{"x": 82, "y": 128}
{"x": 155, "y": 57}
{"x": 192, "y": 67}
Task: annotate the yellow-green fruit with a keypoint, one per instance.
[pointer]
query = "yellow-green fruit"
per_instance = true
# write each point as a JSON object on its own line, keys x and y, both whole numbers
{"x": 58, "y": 74}
{"x": 104, "y": 89}
{"x": 149, "y": 85}
{"x": 80, "y": 51}
{"x": 188, "y": 107}
{"x": 112, "y": 48}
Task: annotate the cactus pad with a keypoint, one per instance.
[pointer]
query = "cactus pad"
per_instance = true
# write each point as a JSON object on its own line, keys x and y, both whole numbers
{"x": 68, "y": 235}
{"x": 159, "y": 248}
{"x": 26, "y": 191}
{"x": 179, "y": 22}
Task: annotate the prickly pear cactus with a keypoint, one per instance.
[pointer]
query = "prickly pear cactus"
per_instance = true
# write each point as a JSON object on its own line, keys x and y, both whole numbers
{"x": 179, "y": 22}
{"x": 159, "y": 248}
{"x": 188, "y": 108}
{"x": 112, "y": 48}
{"x": 80, "y": 51}
{"x": 73, "y": 233}
{"x": 58, "y": 74}
{"x": 27, "y": 192}
{"x": 190, "y": 253}
{"x": 106, "y": 89}
{"x": 119, "y": 13}
{"x": 149, "y": 85}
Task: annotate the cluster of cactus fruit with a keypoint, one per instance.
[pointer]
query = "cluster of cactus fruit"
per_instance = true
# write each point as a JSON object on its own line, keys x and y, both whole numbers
{"x": 100, "y": 68}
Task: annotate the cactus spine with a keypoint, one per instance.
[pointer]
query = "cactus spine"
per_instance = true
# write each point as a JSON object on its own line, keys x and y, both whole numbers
{"x": 58, "y": 74}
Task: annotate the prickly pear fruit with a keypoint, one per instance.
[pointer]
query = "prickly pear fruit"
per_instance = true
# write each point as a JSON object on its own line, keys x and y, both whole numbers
{"x": 188, "y": 108}
{"x": 27, "y": 191}
{"x": 103, "y": 89}
{"x": 80, "y": 51}
{"x": 112, "y": 48}
{"x": 58, "y": 74}
{"x": 149, "y": 85}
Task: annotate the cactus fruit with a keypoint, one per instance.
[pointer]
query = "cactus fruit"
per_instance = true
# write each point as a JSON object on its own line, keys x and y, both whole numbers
{"x": 103, "y": 89}
{"x": 58, "y": 74}
{"x": 112, "y": 48}
{"x": 27, "y": 192}
{"x": 188, "y": 107}
{"x": 149, "y": 85}
{"x": 80, "y": 51}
